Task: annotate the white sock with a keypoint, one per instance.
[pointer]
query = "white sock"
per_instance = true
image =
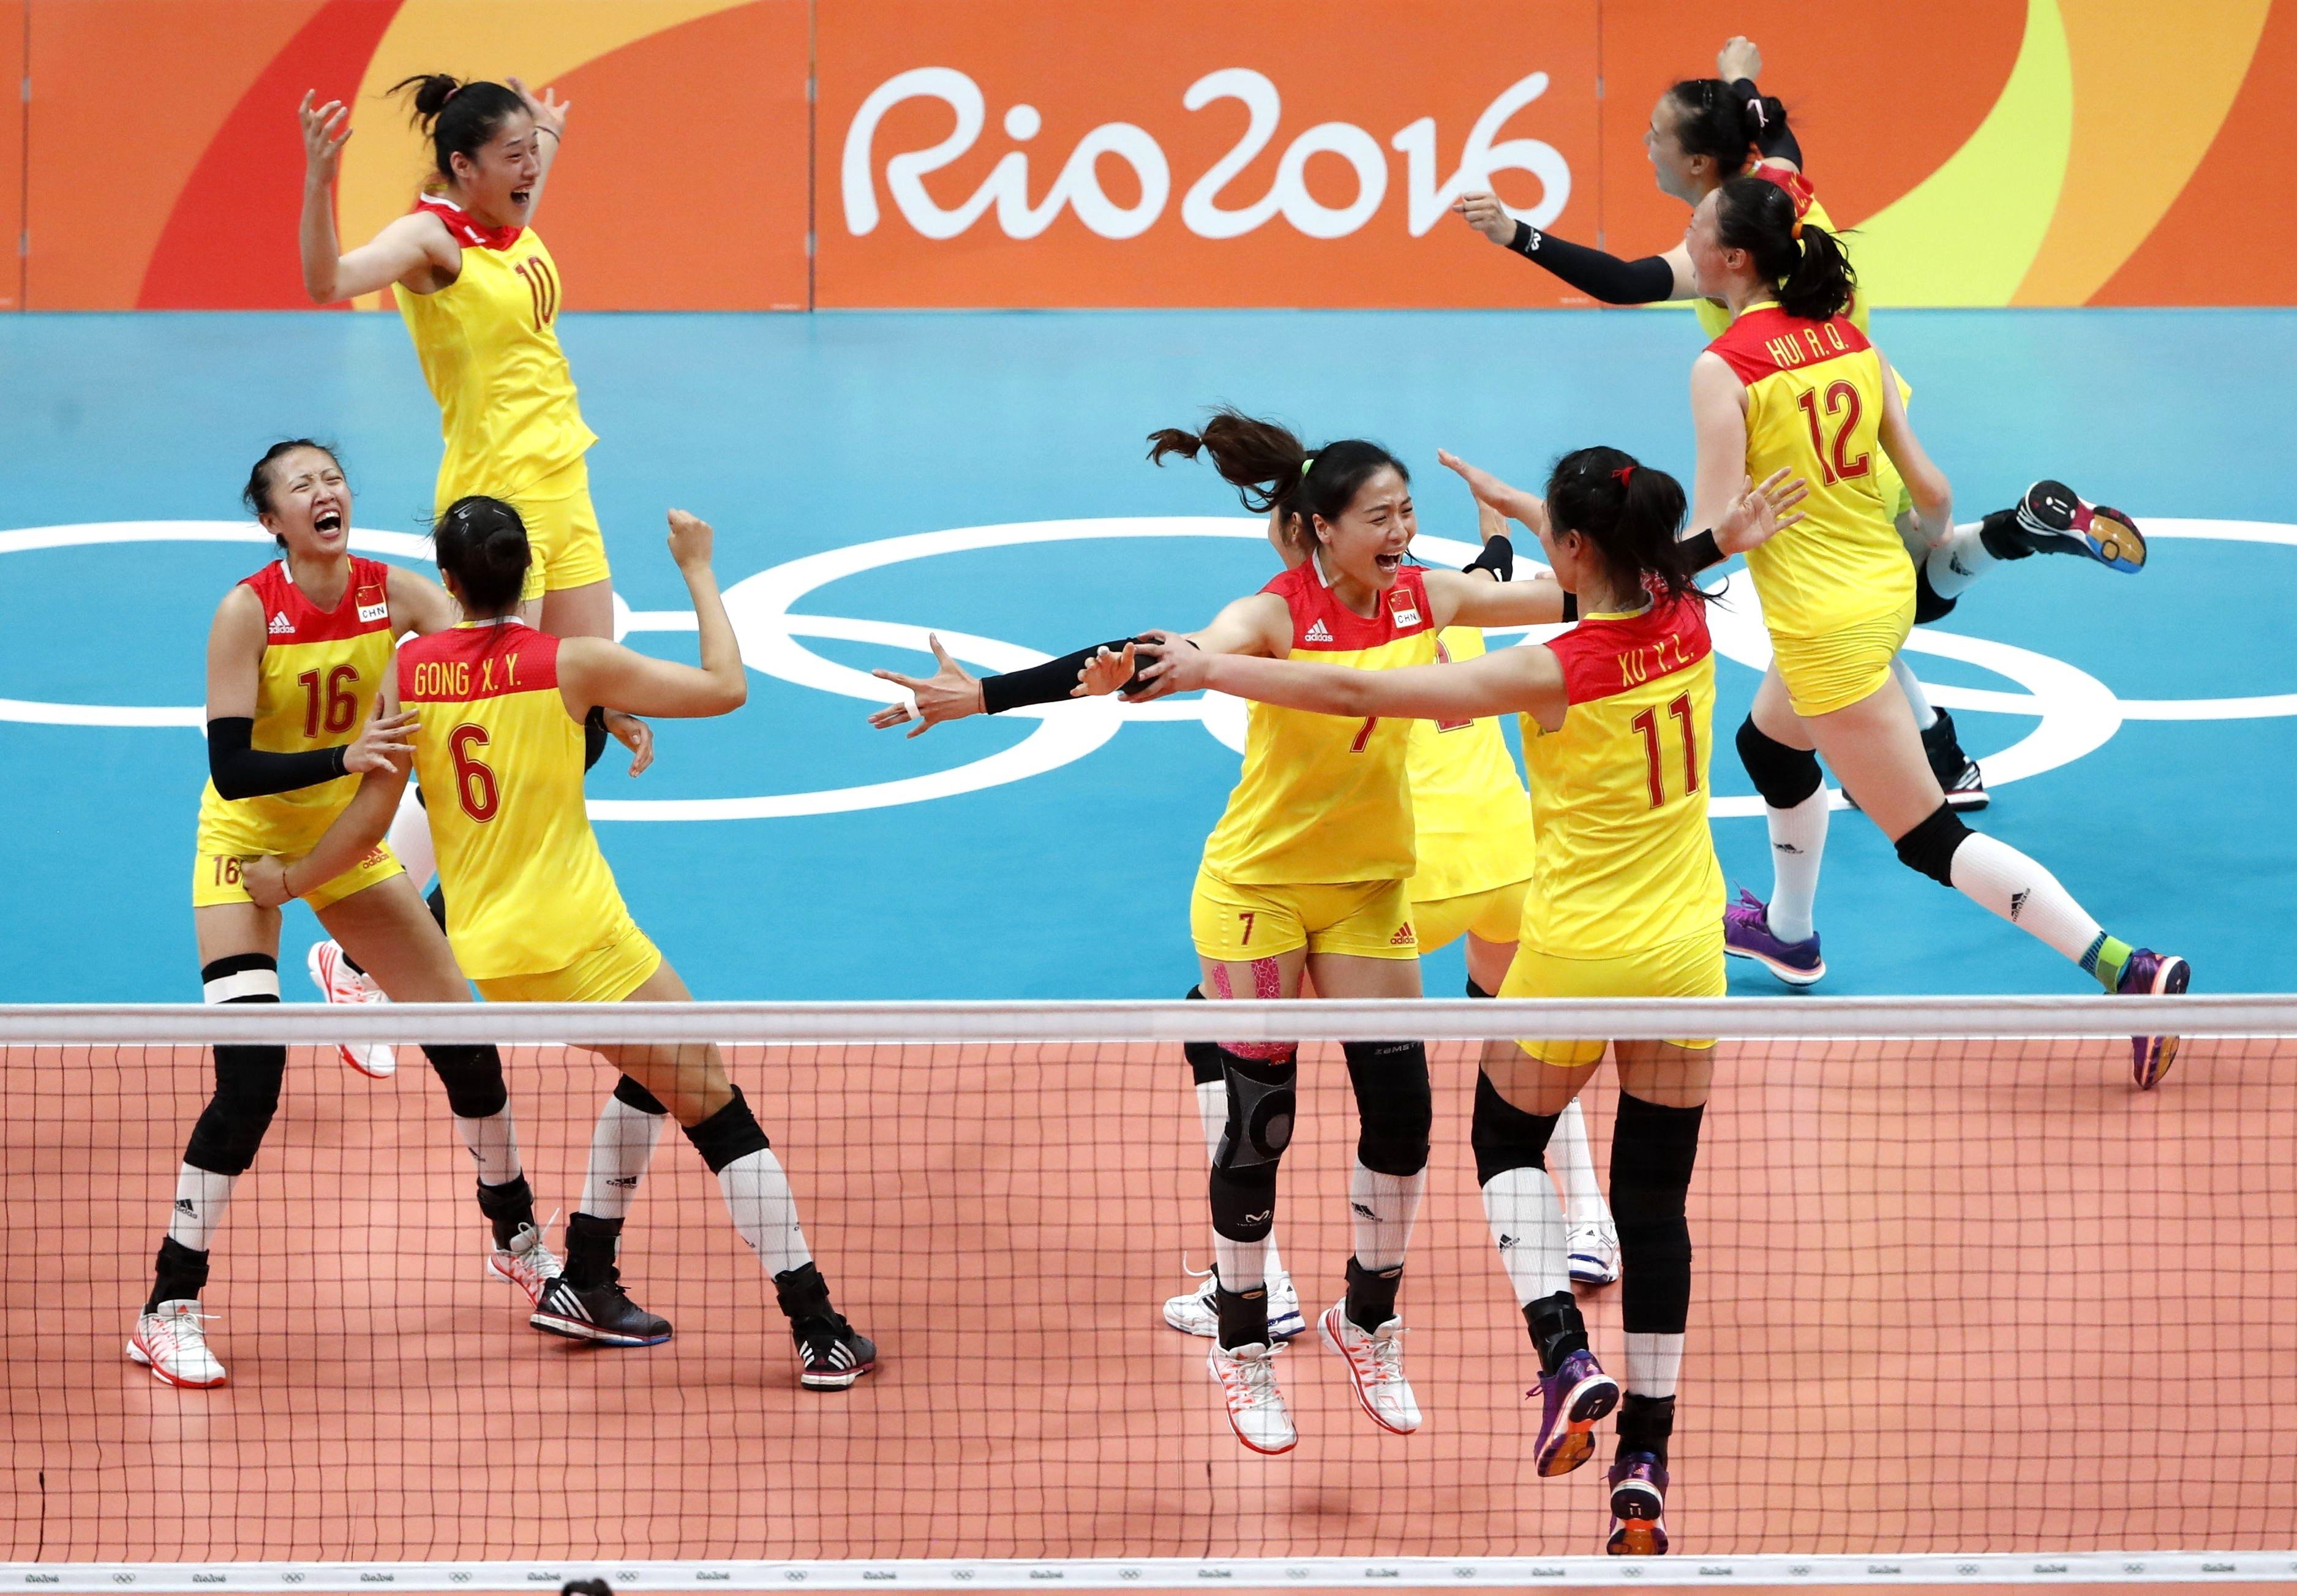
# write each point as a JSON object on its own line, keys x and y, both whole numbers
{"x": 1528, "y": 1224}
{"x": 1570, "y": 1160}
{"x": 493, "y": 1142}
{"x": 1241, "y": 1262}
{"x": 1990, "y": 871}
{"x": 765, "y": 1211}
{"x": 1212, "y": 1112}
{"x": 1925, "y": 712}
{"x": 1653, "y": 1362}
{"x": 202, "y": 1195}
{"x": 620, "y": 1148}
{"x": 410, "y": 837}
{"x": 1958, "y": 561}
{"x": 1384, "y": 1207}
{"x": 1797, "y": 844}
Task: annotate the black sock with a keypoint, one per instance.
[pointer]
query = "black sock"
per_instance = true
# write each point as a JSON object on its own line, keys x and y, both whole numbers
{"x": 1557, "y": 1331}
{"x": 2001, "y": 537}
{"x": 1644, "y": 1425}
{"x": 1371, "y": 1294}
{"x": 507, "y": 1207}
{"x": 179, "y": 1273}
{"x": 351, "y": 963}
{"x": 1243, "y": 1315}
{"x": 591, "y": 1244}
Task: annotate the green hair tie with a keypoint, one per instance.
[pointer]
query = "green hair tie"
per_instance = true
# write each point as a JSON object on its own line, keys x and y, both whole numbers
{"x": 1306, "y": 464}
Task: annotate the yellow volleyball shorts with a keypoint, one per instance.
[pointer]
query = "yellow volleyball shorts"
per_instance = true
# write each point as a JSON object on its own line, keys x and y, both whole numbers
{"x": 1689, "y": 968}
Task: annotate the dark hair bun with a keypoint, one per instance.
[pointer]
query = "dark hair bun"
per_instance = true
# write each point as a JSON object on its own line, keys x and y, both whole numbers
{"x": 482, "y": 543}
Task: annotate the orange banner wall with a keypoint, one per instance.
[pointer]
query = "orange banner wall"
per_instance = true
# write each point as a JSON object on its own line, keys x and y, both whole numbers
{"x": 787, "y": 154}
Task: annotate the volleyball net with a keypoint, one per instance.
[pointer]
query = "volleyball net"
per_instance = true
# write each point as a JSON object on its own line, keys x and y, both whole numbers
{"x": 1967, "y": 1305}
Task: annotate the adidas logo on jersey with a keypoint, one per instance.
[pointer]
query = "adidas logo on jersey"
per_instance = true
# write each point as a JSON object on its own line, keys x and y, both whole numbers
{"x": 1318, "y": 632}
{"x": 280, "y": 623}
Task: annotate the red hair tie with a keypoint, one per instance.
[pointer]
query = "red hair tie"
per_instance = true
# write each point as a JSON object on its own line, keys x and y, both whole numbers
{"x": 1623, "y": 473}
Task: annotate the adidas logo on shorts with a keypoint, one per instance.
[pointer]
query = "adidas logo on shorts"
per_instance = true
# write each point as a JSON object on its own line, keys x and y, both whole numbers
{"x": 1318, "y": 632}
{"x": 280, "y": 623}
{"x": 1402, "y": 937}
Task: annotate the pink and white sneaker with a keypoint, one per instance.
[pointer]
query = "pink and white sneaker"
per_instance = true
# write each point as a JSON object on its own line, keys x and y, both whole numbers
{"x": 333, "y": 975}
{"x": 1375, "y": 1361}
{"x": 1255, "y": 1407}
{"x": 173, "y": 1344}
{"x": 527, "y": 1264}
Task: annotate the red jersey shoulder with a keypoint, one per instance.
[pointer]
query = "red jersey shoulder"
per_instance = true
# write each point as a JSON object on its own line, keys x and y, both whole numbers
{"x": 289, "y": 615}
{"x": 1606, "y": 655}
{"x": 1322, "y": 622}
{"x": 1798, "y": 187}
{"x": 472, "y": 663}
{"x": 1767, "y": 340}
{"x": 468, "y": 231}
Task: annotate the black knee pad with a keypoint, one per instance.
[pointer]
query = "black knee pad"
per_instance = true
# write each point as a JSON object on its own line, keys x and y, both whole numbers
{"x": 1263, "y": 1103}
{"x": 231, "y": 1127}
{"x": 594, "y": 735}
{"x": 1504, "y": 1136}
{"x": 731, "y": 1133}
{"x": 1476, "y": 992}
{"x": 472, "y": 1076}
{"x": 1395, "y": 1111}
{"x": 1202, "y": 1056}
{"x": 1929, "y": 604}
{"x": 1783, "y": 776}
{"x": 1930, "y": 847}
{"x": 1654, "y": 1150}
{"x": 630, "y": 1092}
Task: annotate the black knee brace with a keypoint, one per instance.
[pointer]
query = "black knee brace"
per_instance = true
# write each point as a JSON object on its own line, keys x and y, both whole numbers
{"x": 732, "y": 1132}
{"x": 472, "y": 1076}
{"x": 247, "y": 1079}
{"x": 1202, "y": 1056}
{"x": 1504, "y": 1136}
{"x": 1783, "y": 776}
{"x": 594, "y": 735}
{"x": 1929, "y": 604}
{"x": 630, "y": 1092}
{"x": 1653, "y": 1148}
{"x": 1395, "y": 1111}
{"x": 1931, "y": 846}
{"x": 1476, "y": 992}
{"x": 1262, "y": 1105}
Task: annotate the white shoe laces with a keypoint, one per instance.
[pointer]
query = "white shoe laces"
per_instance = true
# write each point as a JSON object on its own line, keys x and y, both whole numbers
{"x": 1250, "y": 1382}
{"x": 184, "y": 1325}
{"x": 537, "y": 1252}
{"x": 1387, "y": 1357}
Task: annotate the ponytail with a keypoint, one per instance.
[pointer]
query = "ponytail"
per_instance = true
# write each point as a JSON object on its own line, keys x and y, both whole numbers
{"x": 1631, "y": 512}
{"x": 482, "y": 543}
{"x": 1712, "y": 120}
{"x": 1269, "y": 467}
{"x": 1808, "y": 263}
{"x": 458, "y": 118}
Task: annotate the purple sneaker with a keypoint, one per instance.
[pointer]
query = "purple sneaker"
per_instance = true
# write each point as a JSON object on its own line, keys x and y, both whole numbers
{"x": 1578, "y": 1392}
{"x": 2151, "y": 975}
{"x": 1747, "y": 935}
{"x": 1638, "y": 1502}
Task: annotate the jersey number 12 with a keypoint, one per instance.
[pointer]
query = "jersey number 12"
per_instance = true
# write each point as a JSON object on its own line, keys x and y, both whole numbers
{"x": 1840, "y": 396}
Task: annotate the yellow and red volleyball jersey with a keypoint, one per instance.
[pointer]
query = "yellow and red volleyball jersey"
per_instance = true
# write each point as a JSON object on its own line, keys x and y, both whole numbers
{"x": 1815, "y": 406}
{"x": 500, "y": 761}
{"x": 1470, "y": 814}
{"x": 1715, "y": 317}
{"x": 489, "y": 346}
{"x": 1619, "y": 791}
{"x": 314, "y": 689}
{"x": 1323, "y": 798}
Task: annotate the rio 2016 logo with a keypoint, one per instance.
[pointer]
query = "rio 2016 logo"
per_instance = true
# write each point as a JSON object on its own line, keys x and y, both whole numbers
{"x": 1208, "y": 209}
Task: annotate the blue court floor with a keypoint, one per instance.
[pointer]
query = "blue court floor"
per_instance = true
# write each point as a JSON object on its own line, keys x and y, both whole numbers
{"x": 789, "y": 851}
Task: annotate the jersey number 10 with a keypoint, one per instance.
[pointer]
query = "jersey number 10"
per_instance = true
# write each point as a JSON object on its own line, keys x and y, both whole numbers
{"x": 1647, "y": 723}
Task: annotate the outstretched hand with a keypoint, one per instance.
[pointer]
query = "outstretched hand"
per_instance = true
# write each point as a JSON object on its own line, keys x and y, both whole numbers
{"x": 1758, "y": 513}
{"x": 382, "y": 743}
{"x": 950, "y": 694}
{"x": 1528, "y": 508}
{"x": 327, "y": 130}
{"x": 549, "y": 112}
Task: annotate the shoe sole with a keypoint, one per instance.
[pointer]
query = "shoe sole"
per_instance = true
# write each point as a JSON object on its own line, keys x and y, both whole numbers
{"x": 1249, "y": 1444}
{"x": 2152, "y": 1056}
{"x": 2102, "y": 533}
{"x": 357, "y": 1068}
{"x": 137, "y": 1354}
{"x": 841, "y": 1381}
{"x": 575, "y": 1330}
{"x": 1594, "y": 1275}
{"x": 1355, "y": 1379}
{"x": 1784, "y": 971}
{"x": 1638, "y": 1538}
{"x": 1590, "y": 1399}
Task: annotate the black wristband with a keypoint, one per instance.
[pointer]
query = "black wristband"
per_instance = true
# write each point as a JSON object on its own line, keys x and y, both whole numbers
{"x": 240, "y": 771}
{"x": 1599, "y": 276}
{"x": 1048, "y": 683}
{"x": 1704, "y": 550}
{"x": 1497, "y": 556}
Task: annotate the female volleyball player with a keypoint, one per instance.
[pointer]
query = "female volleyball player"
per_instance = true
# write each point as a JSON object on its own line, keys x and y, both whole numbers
{"x": 480, "y": 294}
{"x": 296, "y": 656}
{"x": 1794, "y": 384}
{"x": 499, "y": 712}
{"x": 1704, "y": 131}
{"x": 1617, "y": 715}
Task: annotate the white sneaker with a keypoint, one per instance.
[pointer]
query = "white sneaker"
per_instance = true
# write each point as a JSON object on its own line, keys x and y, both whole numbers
{"x": 527, "y": 1262}
{"x": 1195, "y": 1314}
{"x": 341, "y": 983}
{"x": 1255, "y": 1407}
{"x": 1375, "y": 1361}
{"x": 173, "y": 1344}
{"x": 1593, "y": 1252}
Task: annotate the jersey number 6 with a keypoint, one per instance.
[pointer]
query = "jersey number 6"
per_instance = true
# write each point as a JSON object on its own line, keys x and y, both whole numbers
{"x": 474, "y": 783}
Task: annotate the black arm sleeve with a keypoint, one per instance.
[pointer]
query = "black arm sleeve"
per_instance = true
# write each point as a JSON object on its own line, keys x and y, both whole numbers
{"x": 1498, "y": 557}
{"x": 240, "y": 772}
{"x": 1048, "y": 683}
{"x": 1705, "y": 549}
{"x": 1598, "y": 275}
{"x": 1769, "y": 119}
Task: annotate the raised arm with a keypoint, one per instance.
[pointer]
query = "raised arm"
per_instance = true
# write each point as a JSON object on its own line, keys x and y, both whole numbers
{"x": 1600, "y": 277}
{"x": 549, "y": 114}
{"x": 1926, "y": 484}
{"x": 1505, "y": 682}
{"x": 593, "y": 670}
{"x": 413, "y": 250}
